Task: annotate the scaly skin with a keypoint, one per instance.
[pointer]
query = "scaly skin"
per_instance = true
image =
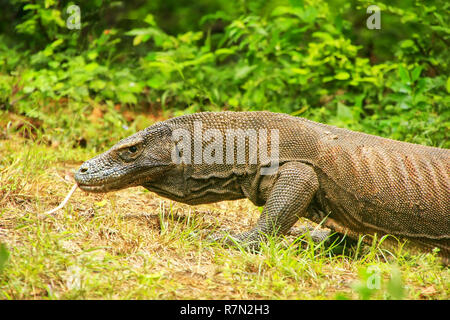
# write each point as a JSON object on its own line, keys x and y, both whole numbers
{"x": 359, "y": 183}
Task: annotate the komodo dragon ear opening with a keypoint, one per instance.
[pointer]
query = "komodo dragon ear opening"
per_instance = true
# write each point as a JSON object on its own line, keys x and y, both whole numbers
{"x": 158, "y": 132}
{"x": 158, "y": 143}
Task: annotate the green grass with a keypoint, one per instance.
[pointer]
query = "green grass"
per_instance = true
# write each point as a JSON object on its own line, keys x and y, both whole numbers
{"x": 132, "y": 244}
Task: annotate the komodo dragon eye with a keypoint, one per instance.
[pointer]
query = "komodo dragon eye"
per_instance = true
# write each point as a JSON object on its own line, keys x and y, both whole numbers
{"x": 130, "y": 153}
{"x": 132, "y": 149}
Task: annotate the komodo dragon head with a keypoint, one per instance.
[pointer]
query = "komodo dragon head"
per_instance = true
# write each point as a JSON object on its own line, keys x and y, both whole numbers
{"x": 133, "y": 161}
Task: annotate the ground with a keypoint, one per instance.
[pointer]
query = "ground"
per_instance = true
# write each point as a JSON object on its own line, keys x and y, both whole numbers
{"x": 132, "y": 244}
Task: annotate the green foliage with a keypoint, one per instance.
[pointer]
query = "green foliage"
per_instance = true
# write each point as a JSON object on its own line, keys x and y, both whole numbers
{"x": 4, "y": 255}
{"x": 309, "y": 58}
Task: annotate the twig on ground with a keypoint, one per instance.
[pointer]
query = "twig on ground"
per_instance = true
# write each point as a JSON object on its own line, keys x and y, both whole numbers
{"x": 75, "y": 186}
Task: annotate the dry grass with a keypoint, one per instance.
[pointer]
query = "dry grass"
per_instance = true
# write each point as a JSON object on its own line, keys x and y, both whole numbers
{"x": 132, "y": 244}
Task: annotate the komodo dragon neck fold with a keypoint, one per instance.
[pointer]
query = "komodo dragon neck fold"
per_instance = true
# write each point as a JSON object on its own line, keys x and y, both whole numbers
{"x": 364, "y": 184}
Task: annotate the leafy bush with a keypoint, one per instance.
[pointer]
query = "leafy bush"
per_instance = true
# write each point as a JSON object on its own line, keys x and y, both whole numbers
{"x": 310, "y": 58}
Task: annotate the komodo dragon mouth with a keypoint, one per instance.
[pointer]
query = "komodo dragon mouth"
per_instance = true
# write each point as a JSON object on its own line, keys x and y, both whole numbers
{"x": 111, "y": 182}
{"x": 91, "y": 188}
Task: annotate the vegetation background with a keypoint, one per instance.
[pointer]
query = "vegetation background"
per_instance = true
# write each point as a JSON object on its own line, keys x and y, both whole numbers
{"x": 67, "y": 94}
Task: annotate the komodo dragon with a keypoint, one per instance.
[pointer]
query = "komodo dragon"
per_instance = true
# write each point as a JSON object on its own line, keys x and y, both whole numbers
{"x": 357, "y": 183}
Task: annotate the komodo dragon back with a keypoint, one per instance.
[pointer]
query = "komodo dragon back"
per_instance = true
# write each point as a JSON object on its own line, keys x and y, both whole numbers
{"x": 380, "y": 185}
{"x": 358, "y": 183}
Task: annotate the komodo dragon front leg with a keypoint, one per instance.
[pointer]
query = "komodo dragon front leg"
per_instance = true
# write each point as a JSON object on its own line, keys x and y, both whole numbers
{"x": 292, "y": 193}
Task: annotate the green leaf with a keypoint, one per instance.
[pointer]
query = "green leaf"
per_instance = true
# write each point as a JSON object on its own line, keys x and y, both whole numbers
{"x": 97, "y": 84}
{"x": 407, "y": 44}
{"x": 140, "y": 31}
{"x": 190, "y": 37}
{"x": 395, "y": 285}
{"x": 91, "y": 66}
{"x": 56, "y": 43}
{"x": 342, "y": 75}
{"x": 309, "y": 14}
{"x": 92, "y": 55}
{"x": 140, "y": 38}
{"x": 243, "y": 71}
{"x": 296, "y": 3}
{"x": 31, "y": 7}
{"x": 415, "y": 74}
{"x": 149, "y": 19}
{"x": 404, "y": 74}
{"x": 155, "y": 82}
{"x": 224, "y": 51}
{"x": 127, "y": 97}
{"x": 28, "y": 89}
{"x": 4, "y": 255}
{"x": 300, "y": 71}
{"x": 343, "y": 112}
